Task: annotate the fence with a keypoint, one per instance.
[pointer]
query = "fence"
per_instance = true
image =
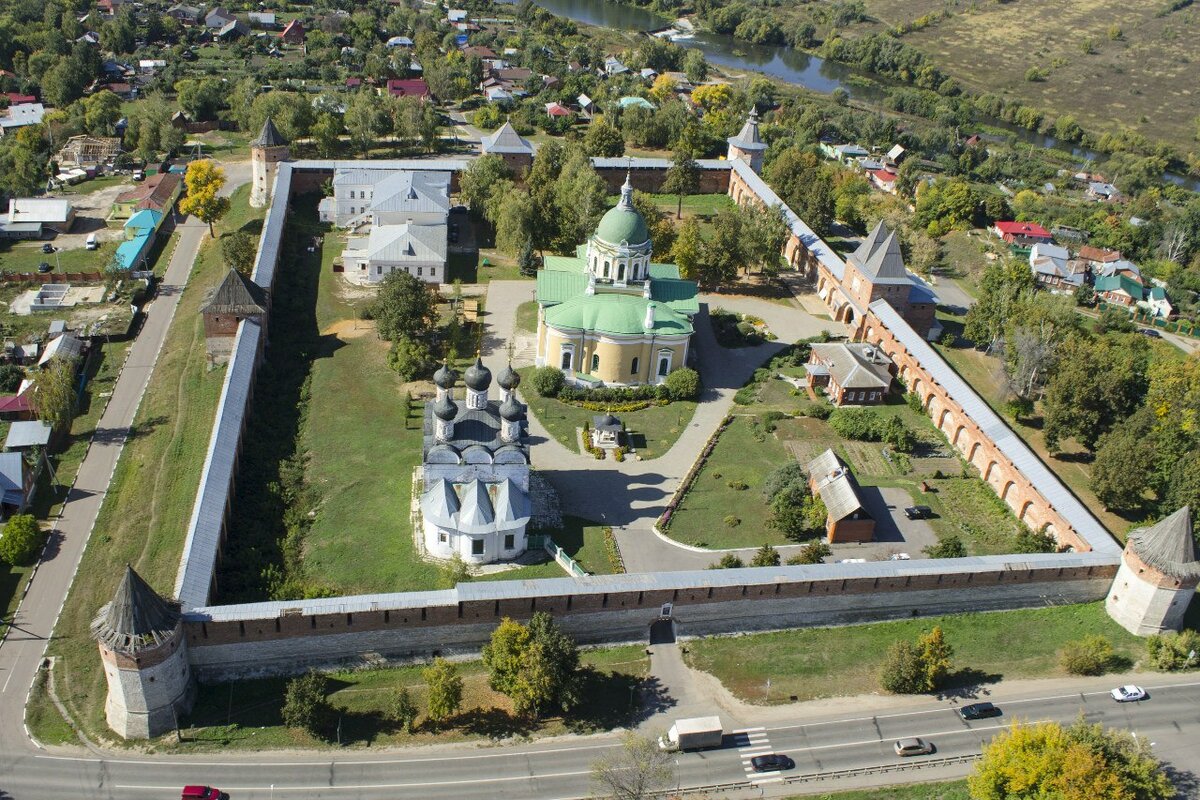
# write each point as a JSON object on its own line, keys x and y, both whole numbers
{"x": 564, "y": 560}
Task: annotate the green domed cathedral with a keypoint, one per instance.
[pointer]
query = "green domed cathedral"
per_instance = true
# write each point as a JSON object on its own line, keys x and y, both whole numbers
{"x": 609, "y": 315}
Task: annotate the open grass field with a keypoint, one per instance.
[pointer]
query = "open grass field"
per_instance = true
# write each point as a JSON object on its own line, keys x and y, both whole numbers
{"x": 144, "y": 517}
{"x": 26, "y": 256}
{"x": 246, "y": 715}
{"x": 833, "y": 662}
{"x": 950, "y": 790}
{"x": 527, "y": 317}
{"x": 1140, "y": 79}
{"x": 652, "y": 431}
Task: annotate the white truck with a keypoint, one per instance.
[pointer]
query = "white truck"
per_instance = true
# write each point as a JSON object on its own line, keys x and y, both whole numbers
{"x": 693, "y": 734}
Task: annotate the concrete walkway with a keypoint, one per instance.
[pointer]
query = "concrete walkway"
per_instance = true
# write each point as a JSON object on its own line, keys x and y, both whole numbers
{"x": 632, "y": 494}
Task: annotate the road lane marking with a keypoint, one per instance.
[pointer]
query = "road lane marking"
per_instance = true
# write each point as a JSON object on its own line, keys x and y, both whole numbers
{"x": 360, "y": 787}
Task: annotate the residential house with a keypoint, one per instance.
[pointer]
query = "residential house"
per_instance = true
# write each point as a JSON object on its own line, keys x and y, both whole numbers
{"x": 1022, "y": 234}
{"x": 187, "y": 15}
{"x": 1049, "y": 250}
{"x": 17, "y": 406}
{"x": 558, "y": 110}
{"x": 17, "y": 99}
{"x": 293, "y": 33}
{"x": 846, "y": 519}
{"x": 497, "y": 94}
{"x": 262, "y": 19}
{"x": 1156, "y": 303}
{"x": 1098, "y": 257}
{"x": 515, "y": 150}
{"x": 613, "y": 67}
{"x": 157, "y": 193}
{"x": 89, "y": 37}
{"x": 1058, "y": 275}
{"x": 1122, "y": 267}
{"x": 1119, "y": 290}
{"x": 896, "y": 154}
{"x": 21, "y": 115}
{"x": 16, "y": 484}
{"x": 235, "y": 29}
{"x": 218, "y": 18}
{"x": 149, "y": 66}
{"x": 408, "y": 87}
{"x": 27, "y": 434}
{"x": 140, "y": 231}
{"x": 640, "y": 102}
{"x": 850, "y": 373}
{"x": 419, "y": 250}
{"x": 108, "y": 8}
{"x": 65, "y": 346}
{"x": 89, "y": 151}
{"x": 844, "y": 153}
{"x": 1103, "y": 192}
{"x": 456, "y": 16}
{"x": 480, "y": 52}
{"x": 883, "y": 179}
{"x": 399, "y": 41}
{"x": 648, "y": 74}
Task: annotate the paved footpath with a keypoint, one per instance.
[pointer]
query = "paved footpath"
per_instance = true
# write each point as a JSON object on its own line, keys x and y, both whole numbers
{"x": 33, "y": 624}
{"x": 632, "y": 494}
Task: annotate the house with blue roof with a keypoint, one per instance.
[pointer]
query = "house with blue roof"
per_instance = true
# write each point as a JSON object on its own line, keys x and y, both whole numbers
{"x": 140, "y": 230}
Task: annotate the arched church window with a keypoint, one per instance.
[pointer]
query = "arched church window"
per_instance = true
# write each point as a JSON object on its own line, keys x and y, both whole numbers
{"x": 633, "y": 370}
{"x": 595, "y": 361}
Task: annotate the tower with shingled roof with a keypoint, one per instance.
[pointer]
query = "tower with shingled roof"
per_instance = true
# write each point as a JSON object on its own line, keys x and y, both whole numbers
{"x": 235, "y": 299}
{"x": 145, "y": 660}
{"x": 266, "y": 152}
{"x": 1158, "y": 576}
{"x": 748, "y": 146}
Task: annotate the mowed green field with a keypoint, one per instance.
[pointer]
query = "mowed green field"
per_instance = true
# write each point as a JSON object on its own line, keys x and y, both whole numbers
{"x": 1144, "y": 79}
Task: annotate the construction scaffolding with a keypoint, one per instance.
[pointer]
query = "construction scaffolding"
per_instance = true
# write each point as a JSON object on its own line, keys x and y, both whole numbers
{"x": 90, "y": 151}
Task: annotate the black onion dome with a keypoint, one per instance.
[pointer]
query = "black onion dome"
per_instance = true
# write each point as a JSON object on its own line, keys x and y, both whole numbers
{"x": 445, "y": 409}
{"x": 511, "y": 410}
{"x": 477, "y": 376}
{"x": 445, "y": 377}
{"x": 508, "y": 378}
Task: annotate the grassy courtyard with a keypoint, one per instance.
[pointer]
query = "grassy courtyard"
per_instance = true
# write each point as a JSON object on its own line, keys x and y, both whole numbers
{"x": 652, "y": 431}
{"x": 145, "y": 514}
{"x": 832, "y": 662}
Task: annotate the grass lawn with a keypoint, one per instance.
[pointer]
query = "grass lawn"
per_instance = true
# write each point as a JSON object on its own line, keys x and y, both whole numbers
{"x": 653, "y": 431}
{"x": 144, "y": 517}
{"x": 833, "y": 662}
{"x": 246, "y": 715}
{"x": 964, "y": 252}
{"x": 527, "y": 314}
{"x": 26, "y": 256}
{"x": 950, "y": 790}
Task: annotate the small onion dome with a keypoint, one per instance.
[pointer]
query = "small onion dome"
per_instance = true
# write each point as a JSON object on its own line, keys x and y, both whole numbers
{"x": 508, "y": 379}
{"x": 478, "y": 377}
{"x": 445, "y": 409}
{"x": 511, "y": 410}
{"x": 445, "y": 377}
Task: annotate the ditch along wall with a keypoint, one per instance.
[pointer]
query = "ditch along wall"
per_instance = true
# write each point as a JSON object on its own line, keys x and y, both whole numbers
{"x": 235, "y": 642}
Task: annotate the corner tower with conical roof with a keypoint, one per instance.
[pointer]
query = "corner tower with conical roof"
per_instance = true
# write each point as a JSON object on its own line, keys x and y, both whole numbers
{"x": 1158, "y": 577}
{"x": 145, "y": 660}
{"x": 748, "y": 146}
{"x": 266, "y": 152}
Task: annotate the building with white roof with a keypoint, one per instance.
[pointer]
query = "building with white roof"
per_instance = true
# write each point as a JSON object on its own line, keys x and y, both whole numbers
{"x": 363, "y": 197}
{"x": 20, "y": 115}
{"x": 419, "y": 250}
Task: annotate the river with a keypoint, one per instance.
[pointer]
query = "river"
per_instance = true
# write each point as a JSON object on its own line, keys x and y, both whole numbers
{"x": 790, "y": 65}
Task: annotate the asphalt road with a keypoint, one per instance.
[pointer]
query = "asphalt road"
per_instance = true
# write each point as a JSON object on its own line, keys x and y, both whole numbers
{"x": 1170, "y": 719}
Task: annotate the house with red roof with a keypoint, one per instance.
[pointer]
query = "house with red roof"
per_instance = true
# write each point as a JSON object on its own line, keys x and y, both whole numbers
{"x": 15, "y": 98}
{"x": 883, "y": 179}
{"x": 558, "y": 110}
{"x": 1021, "y": 233}
{"x": 292, "y": 33}
{"x": 408, "y": 87}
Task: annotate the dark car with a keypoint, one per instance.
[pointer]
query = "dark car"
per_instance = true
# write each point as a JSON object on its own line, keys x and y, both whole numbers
{"x": 44, "y": 268}
{"x": 47, "y": 248}
{"x": 979, "y": 711}
{"x": 918, "y": 512}
{"x": 771, "y": 763}
{"x": 1153, "y": 334}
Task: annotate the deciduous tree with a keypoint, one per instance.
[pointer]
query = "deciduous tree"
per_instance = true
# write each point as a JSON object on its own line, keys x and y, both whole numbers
{"x": 304, "y": 703}
{"x": 683, "y": 177}
{"x": 445, "y": 687}
{"x": 204, "y": 180}
{"x": 603, "y": 140}
{"x": 403, "y": 307}
{"x": 54, "y": 397}
{"x": 638, "y": 770}
{"x": 238, "y": 249}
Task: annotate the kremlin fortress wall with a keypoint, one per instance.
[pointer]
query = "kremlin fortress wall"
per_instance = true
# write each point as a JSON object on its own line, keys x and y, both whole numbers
{"x": 280, "y": 637}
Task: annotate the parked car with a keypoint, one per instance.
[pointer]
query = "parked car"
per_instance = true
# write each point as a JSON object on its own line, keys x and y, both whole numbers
{"x": 899, "y": 557}
{"x": 47, "y": 248}
{"x": 979, "y": 711}
{"x": 1129, "y": 694}
{"x": 771, "y": 763}
{"x": 202, "y": 793}
{"x": 918, "y": 512}
{"x": 1153, "y": 334}
{"x": 139, "y": 175}
{"x": 91, "y": 243}
{"x": 912, "y": 747}
{"x": 44, "y": 268}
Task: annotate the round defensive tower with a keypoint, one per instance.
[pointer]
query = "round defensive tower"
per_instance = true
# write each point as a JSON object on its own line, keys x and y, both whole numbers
{"x": 145, "y": 660}
{"x": 265, "y": 154}
{"x": 1158, "y": 576}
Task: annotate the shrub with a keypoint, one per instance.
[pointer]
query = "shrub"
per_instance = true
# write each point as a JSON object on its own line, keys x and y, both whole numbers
{"x": 304, "y": 703}
{"x": 861, "y": 424}
{"x": 547, "y": 381}
{"x": 20, "y": 540}
{"x": 403, "y": 711}
{"x": 1031, "y": 541}
{"x": 615, "y": 562}
{"x": 732, "y": 521}
{"x": 903, "y": 671}
{"x": 816, "y": 409}
{"x": 914, "y": 402}
{"x": 728, "y": 561}
{"x": 949, "y": 547}
{"x": 782, "y": 477}
{"x": 738, "y": 486}
{"x": 812, "y": 553}
{"x": 746, "y": 395}
{"x": 1087, "y": 656}
{"x": 11, "y": 376}
{"x": 949, "y": 339}
{"x": 683, "y": 384}
{"x": 898, "y": 435}
{"x": 410, "y": 358}
{"x": 1173, "y": 651}
{"x": 765, "y": 556}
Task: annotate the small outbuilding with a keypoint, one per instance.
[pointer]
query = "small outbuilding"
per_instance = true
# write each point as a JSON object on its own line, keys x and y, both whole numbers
{"x": 25, "y": 434}
{"x": 846, "y": 519}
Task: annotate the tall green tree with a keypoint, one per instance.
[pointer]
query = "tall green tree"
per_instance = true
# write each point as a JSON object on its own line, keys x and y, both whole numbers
{"x": 536, "y": 665}
{"x": 55, "y": 399}
{"x": 515, "y": 221}
{"x": 365, "y": 120}
{"x": 688, "y": 251}
{"x": 603, "y": 140}
{"x": 683, "y": 176}
{"x": 764, "y": 233}
{"x": 445, "y": 688}
{"x": 404, "y": 306}
{"x": 478, "y": 182}
{"x": 1097, "y": 383}
{"x": 1003, "y": 286}
{"x": 724, "y": 253}
{"x": 326, "y": 134}
{"x": 805, "y": 183}
{"x": 101, "y": 112}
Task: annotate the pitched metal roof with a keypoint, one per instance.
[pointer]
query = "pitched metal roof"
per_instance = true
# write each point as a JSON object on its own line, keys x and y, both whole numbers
{"x": 12, "y": 478}
{"x": 137, "y": 618}
{"x": 237, "y": 295}
{"x": 1168, "y": 545}
{"x": 269, "y": 136}
{"x": 401, "y": 243}
{"x": 854, "y": 365}
{"x": 835, "y": 485}
{"x": 1011, "y": 445}
{"x": 748, "y": 138}
{"x": 620, "y": 314}
{"x": 505, "y": 139}
{"x": 27, "y": 433}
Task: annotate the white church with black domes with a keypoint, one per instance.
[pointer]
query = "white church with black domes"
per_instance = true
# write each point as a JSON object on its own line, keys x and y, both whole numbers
{"x": 475, "y": 500}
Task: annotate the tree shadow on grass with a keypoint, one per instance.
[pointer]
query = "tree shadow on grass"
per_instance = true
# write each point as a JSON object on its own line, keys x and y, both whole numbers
{"x": 968, "y": 683}
{"x": 494, "y": 723}
{"x": 609, "y": 700}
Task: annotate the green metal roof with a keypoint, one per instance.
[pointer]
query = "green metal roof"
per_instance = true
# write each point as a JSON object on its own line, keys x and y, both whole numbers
{"x": 662, "y": 271}
{"x": 555, "y": 286}
{"x": 564, "y": 263}
{"x": 1116, "y": 283}
{"x": 679, "y": 295}
{"x": 621, "y": 314}
{"x": 622, "y": 224}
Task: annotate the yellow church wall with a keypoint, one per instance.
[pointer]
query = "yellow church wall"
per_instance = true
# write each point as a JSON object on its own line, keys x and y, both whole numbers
{"x": 615, "y": 356}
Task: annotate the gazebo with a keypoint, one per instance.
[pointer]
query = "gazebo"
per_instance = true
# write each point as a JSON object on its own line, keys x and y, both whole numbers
{"x": 606, "y": 431}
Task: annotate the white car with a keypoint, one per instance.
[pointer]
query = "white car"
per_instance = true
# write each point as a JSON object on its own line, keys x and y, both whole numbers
{"x": 900, "y": 557}
{"x": 1128, "y": 694}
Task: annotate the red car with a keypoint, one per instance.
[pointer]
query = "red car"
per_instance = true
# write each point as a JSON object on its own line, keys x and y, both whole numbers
{"x": 202, "y": 793}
